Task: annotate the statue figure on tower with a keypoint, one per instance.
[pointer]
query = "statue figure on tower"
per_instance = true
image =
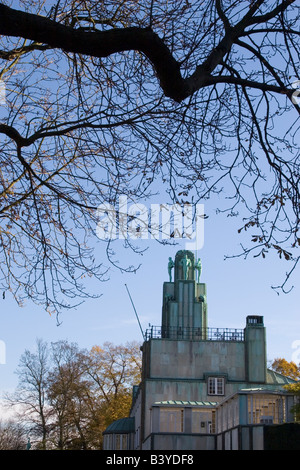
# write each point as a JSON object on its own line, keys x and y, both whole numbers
{"x": 171, "y": 265}
{"x": 198, "y": 268}
{"x": 186, "y": 264}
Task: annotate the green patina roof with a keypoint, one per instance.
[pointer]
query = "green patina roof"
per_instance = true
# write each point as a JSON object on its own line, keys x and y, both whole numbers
{"x": 278, "y": 379}
{"x": 185, "y": 403}
{"x": 124, "y": 425}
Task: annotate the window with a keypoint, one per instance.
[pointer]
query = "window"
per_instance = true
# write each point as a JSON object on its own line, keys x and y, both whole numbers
{"x": 171, "y": 420}
{"x": 255, "y": 320}
{"x": 267, "y": 409}
{"x": 216, "y": 386}
{"x": 121, "y": 441}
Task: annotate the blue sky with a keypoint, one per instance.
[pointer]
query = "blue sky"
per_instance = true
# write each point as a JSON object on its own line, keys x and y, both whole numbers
{"x": 235, "y": 288}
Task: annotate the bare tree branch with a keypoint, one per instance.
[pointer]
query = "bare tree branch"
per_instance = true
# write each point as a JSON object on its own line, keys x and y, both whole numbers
{"x": 105, "y": 43}
{"x": 107, "y": 99}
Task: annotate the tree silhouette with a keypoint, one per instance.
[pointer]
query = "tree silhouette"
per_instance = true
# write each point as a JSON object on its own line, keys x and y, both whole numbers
{"x": 108, "y": 98}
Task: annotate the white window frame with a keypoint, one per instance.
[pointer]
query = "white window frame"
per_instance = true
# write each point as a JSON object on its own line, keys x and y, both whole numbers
{"x": 216, "y": 386}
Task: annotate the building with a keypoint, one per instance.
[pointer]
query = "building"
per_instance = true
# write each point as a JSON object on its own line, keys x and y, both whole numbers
{"x": 202, "y": 388}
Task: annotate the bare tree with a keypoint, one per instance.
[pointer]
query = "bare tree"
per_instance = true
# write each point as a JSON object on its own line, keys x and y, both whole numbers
{"x": 13, "y": 436}
{"x": 107, "y": 98}
{"x": 30, "y": 397}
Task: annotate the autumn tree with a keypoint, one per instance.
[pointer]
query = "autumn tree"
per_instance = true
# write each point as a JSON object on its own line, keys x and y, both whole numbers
{"x": 67, "y": 392}
{"x": 114, "y": 98}
{"x": 114, "y": 371}
{"x": 288, "y": 369}
{"x": 291, "y": 370}
{"x": 295, "y": 389}
{"x": 69, "y": 402}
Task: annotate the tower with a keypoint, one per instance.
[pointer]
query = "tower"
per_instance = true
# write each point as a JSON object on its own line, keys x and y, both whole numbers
{"x": 184, "y": 309}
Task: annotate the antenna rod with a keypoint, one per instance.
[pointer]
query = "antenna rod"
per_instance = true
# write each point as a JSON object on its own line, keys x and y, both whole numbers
{"x": 135, "y": 312}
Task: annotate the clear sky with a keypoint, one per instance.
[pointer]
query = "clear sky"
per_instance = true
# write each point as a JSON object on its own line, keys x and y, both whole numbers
{"x": 235, "y": 288}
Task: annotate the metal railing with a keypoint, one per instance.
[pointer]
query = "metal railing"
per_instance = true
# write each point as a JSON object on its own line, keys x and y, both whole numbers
{"x": 186, "y": 333}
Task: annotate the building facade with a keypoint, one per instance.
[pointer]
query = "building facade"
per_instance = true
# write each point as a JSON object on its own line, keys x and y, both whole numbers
{"x": 201, "y": 387}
